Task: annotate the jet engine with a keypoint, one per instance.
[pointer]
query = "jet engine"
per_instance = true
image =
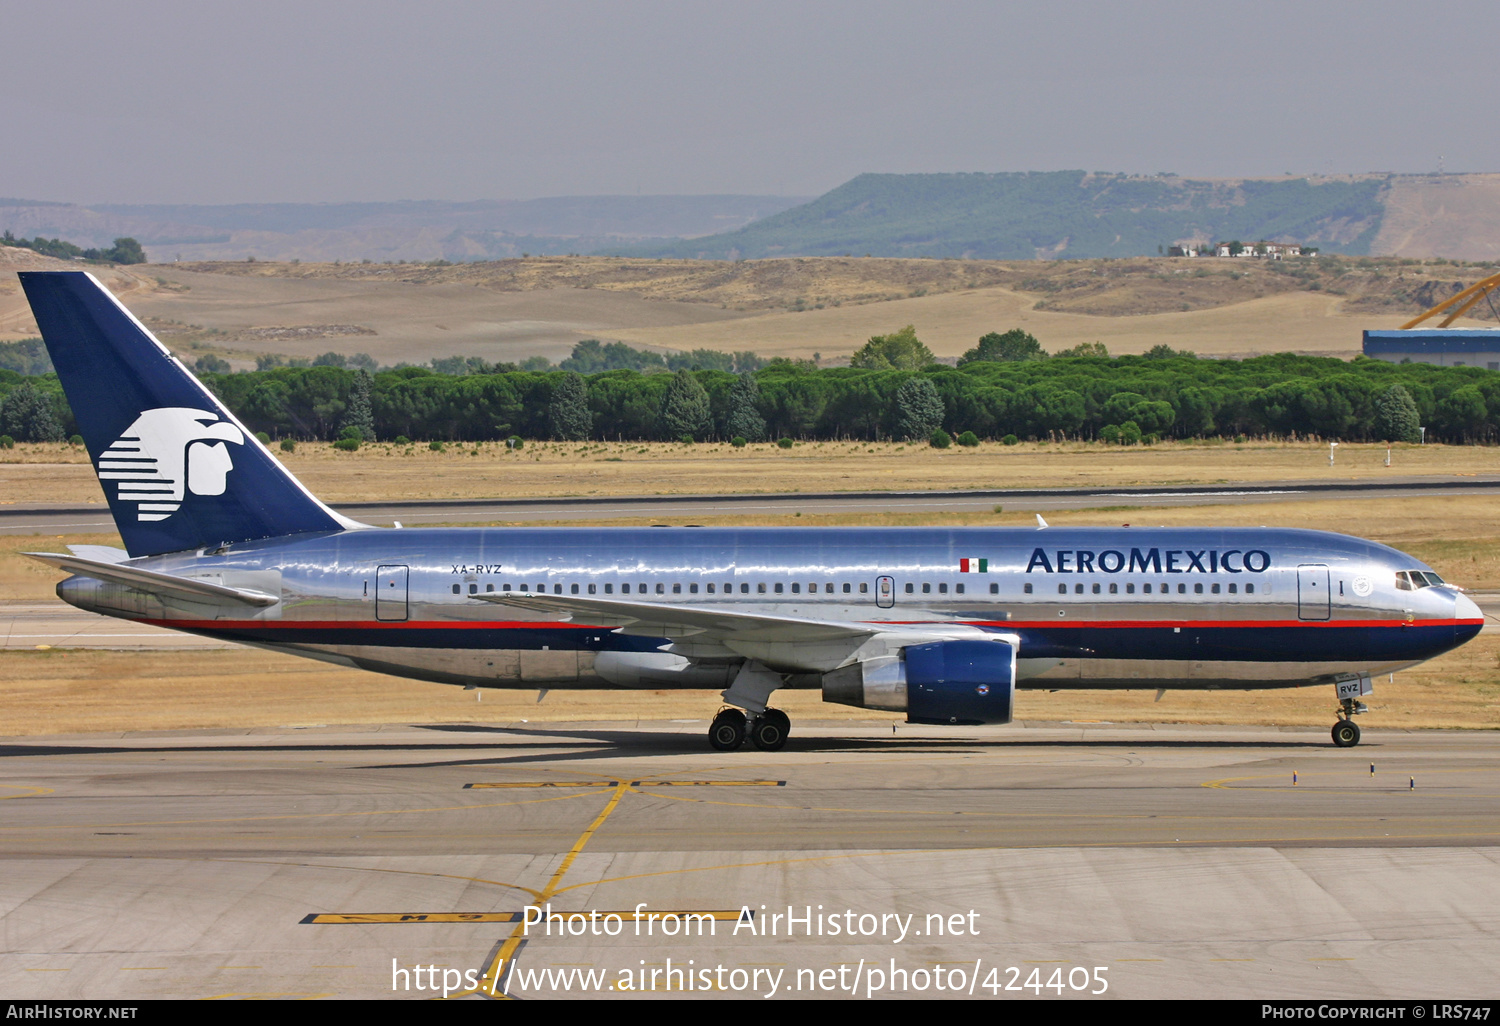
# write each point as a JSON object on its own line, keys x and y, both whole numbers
{"x": 945, "y": 682}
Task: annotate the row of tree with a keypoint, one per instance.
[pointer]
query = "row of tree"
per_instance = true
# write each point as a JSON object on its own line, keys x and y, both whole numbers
{"x": 1076, "y": 397}
{"x": 124, "y": 251}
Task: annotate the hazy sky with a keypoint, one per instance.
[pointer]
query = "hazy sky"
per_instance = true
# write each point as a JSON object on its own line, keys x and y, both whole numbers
{"x": 207, "y": 102}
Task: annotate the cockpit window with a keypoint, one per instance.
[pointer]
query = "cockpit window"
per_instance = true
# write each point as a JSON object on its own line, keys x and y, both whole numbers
{"x": 1411, "y": 580}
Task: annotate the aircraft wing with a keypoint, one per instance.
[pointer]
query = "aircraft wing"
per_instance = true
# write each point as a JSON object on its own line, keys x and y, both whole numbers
{"x": 660, "y": 620}
{"x": 154, "y": 581}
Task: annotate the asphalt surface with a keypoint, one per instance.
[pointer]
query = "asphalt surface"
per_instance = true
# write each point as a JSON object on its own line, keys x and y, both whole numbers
{"x": 44, "y": 518}
{"x": 1182, "y": 861}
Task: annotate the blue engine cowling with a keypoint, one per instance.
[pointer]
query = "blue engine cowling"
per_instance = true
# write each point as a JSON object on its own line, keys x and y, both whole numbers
{"x": 960, "y": 682}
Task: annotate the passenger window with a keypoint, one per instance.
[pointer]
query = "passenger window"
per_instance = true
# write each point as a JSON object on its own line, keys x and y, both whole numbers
{"x": 1234, "y": 589}
{"x": 1130, "y": 589}
{"x": 1096, "y": 588}
{"x": 1214, "y": 589}
{"x": 693, "y": 589}
{"x": 995, "y": 588}
{"x": 910, "y": 588}
{"x": 505, "y": 587}
{"x": 958, "y": 589}
{"x": 1182, "y": 589}
{"x": 1114, "y": 589}
{"x": 676, "y": 589}
{"x": 828, "y": 588}
{"x": 473, "y": 589}
{"x": 1197, "y": 588}
{"x": 796, "y": 588}
{"x": 541, "y": 588}
{"x": 591, "y": 589}
{"x": 1078, "y": 589}
{"x": 609, "y": 589}
{"x": 1145, "y": 589}
{"x": 745, "y": 589}
{"x": 760, "y": 589}
{"x": 1249, "y": 589}
{"x": 489, "y": 587}
{"x": 778, "y": 587}
{"x": 525, "y": 587}
{"x": 926, "y": 588}
{"x": 864, "y": 587}
{"x": 846, "y": 588}
{"x": 456, "y": 589}
{"x": 624, "y": 589}
{"x": 1062, "y": 589}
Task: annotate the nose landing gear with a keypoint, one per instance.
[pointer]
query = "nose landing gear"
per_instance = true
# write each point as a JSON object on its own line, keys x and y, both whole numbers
{"x": 1346, "y": 731}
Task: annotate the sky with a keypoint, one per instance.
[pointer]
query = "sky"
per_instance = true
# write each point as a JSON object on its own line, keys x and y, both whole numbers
{"x": 159, "y": 101}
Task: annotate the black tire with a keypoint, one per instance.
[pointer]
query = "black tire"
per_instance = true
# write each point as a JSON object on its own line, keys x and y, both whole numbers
{"x": 1346, "y": 733}
{"x": 727, "y": 731}
{"x": 770, "y": 731}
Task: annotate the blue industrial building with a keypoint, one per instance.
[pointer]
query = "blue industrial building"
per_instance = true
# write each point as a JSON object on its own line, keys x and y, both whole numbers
{"x": 1445, "y": 347}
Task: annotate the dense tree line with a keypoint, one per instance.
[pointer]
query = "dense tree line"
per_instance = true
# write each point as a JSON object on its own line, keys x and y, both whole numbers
{"x": 1075, "y": 397}
{"x": 124, "y": 251}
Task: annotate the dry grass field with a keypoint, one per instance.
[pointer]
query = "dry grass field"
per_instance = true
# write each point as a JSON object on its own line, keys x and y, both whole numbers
{"x": 513, "y": 309}
{"x": 386, "y": 472}
{"x": 1439, "y": 215}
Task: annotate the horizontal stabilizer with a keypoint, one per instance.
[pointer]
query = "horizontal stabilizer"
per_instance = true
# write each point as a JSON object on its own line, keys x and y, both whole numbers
{"x": 153, "y": 581}
{"x": 100, "y": 553}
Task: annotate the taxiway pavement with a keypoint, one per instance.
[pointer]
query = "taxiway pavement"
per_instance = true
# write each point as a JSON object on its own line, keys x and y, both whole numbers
{"x": 1185, "y": 861}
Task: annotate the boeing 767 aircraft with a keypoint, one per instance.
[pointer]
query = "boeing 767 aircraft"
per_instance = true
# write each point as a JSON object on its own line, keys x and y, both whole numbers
{"x": 943, "y": 625}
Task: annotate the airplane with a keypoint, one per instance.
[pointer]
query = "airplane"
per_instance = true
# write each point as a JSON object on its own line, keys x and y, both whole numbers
{"x": 944, "y": 625}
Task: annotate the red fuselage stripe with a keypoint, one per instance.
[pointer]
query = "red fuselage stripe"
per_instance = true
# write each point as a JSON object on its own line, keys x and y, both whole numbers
{"x": 999, "y": 624}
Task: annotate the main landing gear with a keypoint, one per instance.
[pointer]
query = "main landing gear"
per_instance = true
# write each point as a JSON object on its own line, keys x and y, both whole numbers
{"x": 767, "y": 731}
{"x": 766, "y": 728}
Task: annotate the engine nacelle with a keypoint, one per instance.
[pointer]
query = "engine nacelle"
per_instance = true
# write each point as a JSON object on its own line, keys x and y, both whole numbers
{"x": 947, "y": 682}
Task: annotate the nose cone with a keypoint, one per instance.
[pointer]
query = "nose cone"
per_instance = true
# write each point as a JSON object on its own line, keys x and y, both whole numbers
{"x": 1468, "y": 618}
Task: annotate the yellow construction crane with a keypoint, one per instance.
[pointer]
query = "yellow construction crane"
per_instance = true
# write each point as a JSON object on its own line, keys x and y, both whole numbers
{"x": 1459, "y": 302}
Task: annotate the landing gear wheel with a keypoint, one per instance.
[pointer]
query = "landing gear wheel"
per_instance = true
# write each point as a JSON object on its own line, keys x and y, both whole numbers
{"x": 1346, "y": 733}
{"x": 770, "y": 730}
{"x": 727, "y": 731}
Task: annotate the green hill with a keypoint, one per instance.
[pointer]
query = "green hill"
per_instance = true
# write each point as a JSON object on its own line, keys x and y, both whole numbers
{"x": 1059, "y": 214}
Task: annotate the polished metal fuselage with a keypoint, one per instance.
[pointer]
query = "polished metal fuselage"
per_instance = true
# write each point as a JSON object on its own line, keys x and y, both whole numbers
{"x": 1101, "y": 608}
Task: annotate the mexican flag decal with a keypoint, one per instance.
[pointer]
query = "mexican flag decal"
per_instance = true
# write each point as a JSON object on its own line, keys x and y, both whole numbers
{"x": 973, "y": 566}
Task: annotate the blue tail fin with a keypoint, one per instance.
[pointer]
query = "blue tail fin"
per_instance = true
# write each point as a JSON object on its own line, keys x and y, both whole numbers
{"x": 179, "y": 471}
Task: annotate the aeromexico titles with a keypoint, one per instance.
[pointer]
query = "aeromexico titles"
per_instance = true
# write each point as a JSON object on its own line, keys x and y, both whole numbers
{"x": 941, "y": 624}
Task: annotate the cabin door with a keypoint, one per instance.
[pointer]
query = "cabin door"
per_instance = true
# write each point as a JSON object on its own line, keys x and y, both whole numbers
{"x": 1313, "y": 601}
{"x": 390, "y": 593}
